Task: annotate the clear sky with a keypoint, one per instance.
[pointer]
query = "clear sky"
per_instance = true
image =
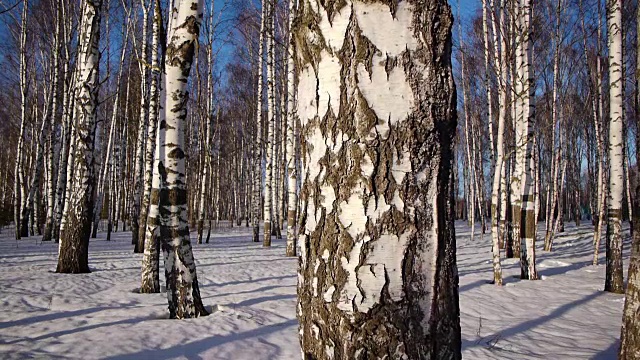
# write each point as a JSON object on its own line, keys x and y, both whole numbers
{"x": 467, "y": 7}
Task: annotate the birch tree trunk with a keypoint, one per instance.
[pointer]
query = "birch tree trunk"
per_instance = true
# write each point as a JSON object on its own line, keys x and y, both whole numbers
{"x": 498, "y": 174}
{"x": 269, "y": 158}
{"x": 74, "y": 237}
{"x": 627, "y": 180}
{"x": 169, "y": 185}
{"x": 54, "y": 149}
{"x": 519, "y": 116}
{"x": 150, "y": 143}
{"x": 18, "y": 181}
{"x": 630, "y": 332}
{"x": 377, "y": 274}
{"x": 526, "y": 119}
{"x": 142, "y": 136}
{"x": 104, "y": 175}
{"x": 488, "y": 85}
{"x": 292, "y": 195}
{"x": 614, "y": 281}
{"x": 555, "y": 163}
{"x": 504, "y": 101}
{"x": 257, "y": 180}
{"x": 599, "y": 123}
{"x": 151, "y": 256}
{"x": 471, "y": 199}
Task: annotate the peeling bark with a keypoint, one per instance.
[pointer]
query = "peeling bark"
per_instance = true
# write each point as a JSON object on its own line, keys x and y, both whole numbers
{"x": 376, "y": 101}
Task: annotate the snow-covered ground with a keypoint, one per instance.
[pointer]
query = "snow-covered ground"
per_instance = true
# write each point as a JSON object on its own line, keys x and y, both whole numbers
{"x": 253, "y": 293}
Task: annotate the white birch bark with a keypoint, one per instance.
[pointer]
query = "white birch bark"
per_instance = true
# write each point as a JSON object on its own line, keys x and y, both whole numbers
{"x": 151, "y": 257}
{"x": 487, "y": 81}
{"x": 74, "y": 237}
{"x": 614, "y": 281}
{"x": 257, "y": 179}
{"x": 268, "y": 189}
{"x": 599, "y": 123}
{"x": 630, "y": 332}
{"x": 292, "y": 194}
{"x": 150, "y": 143}
{"x": 18, "y": 181}
{"x": 498, "y": 174}
{"x": 519, "y": 116}
{"x": 169, "y": 180}
{"x": 54, "y": 148}
{"x": 142, "y": 136}
{"x": 376, "y": 246}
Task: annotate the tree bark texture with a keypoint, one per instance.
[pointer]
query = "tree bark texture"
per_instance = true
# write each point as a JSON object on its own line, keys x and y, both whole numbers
{"x": 376, "y": 100}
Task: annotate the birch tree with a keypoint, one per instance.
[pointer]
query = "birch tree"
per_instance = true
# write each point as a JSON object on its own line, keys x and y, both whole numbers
{"x": 524, "y": 206}
{"x": 257, "y": 175}
{"x": 142, "y": 135}
{"x": 377, "y": 110}
{"x": 74, "y": 238}
{"x": 54, "y": 149}
{"x": 151, "y": 255}
{"x": 270, "y": 139}
{"x": 292, "y": 195}
{"x": 630, "y": 332}
{"x": 169, "y": 184}
{"x": 614, "y": 281}
{"x": 18, "y": 181}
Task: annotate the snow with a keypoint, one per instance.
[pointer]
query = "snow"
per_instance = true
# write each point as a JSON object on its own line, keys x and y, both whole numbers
{"x": 252, "y": 292}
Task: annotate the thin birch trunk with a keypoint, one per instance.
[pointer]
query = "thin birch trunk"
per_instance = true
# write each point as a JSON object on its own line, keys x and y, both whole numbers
{"x": 151, "y": 257}
{"x": 268, "y": 190}
{"x": 18, "y": 181}
{"x": 74, "y": 237}
{"x": 599, "y": 123}
{"x": 259, "y": 146}
{"x": 142, "y": 136}
{"x": 614, "y": 280}
{"x": 169, "y": 179}
{"x": 292, "y": 113}
{"x": 630, "y": 332}
{"x": 54, "y": 148}
{"x": 104, "y": 175}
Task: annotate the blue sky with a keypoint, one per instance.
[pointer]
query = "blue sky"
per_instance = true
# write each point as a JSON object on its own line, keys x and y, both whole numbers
{"x": 467, "y": 7}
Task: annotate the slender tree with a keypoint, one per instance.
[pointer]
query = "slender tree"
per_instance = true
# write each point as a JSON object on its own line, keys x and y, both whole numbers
{"x": 630, "y": 332}
{"x": 169, "y": 186}
{"x": 143, "y": 121}
{"x": 151, "y": 256}
{"x": 18, "y": 181}
{"x": 257, "y": 175}
{"x": 614, "y": 281}
{"x": 74, "y": 238}
{"x": 292, "y": 195}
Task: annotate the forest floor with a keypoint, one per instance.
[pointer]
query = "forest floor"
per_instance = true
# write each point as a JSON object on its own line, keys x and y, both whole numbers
{"x": 252, "y": 291}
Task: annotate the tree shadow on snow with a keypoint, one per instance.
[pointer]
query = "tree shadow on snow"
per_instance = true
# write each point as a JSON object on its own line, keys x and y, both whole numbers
{"x": 238, "y": 282}
{"x": 49, "y": 317}
{"x": 609, "y": 353}
{"x": 259, "y": 300}
{"x": 193, "y": 349}
{"x": 530, "y": 324}
{"x": 58, "y": 334}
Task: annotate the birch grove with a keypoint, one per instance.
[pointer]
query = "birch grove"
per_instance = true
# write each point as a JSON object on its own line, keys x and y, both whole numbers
{"x": 368, "y": 132}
